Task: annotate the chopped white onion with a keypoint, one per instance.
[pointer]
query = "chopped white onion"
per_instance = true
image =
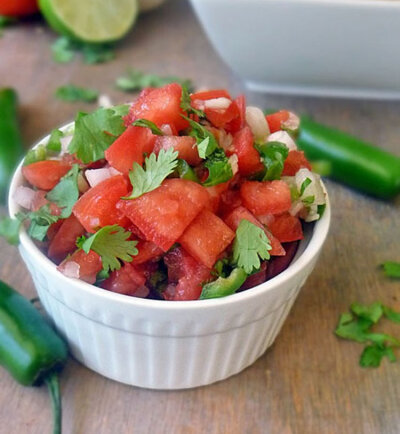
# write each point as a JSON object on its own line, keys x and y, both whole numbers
{"x": 166, "y": 129}
{"x": 225, "y": 140}
{"x": 95, "y": 176}
{"x": 292, "y": 123}
{"x": 65, "y": 141}
{"x": 296, "y": 208}
{"x": 283, "y": 137}
{"x": 24, "y": 196}
{"x": 314, "y": 188}
{"x": 258, "y": 124}
{"x": 104, "y": 101}
{"x": 221, "y": 103}
{"x": 198, "y": 104}
{"x": 233, "y": 161}
{"x": 70, "y": 269}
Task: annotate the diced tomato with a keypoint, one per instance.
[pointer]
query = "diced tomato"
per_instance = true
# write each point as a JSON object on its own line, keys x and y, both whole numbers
{"x": 229, "y": 200}
{"x": 256, "y": 278}
{"x": 241, "y": 213}
{"x": 18, "y": 8}
{"x": 275, "y": 120}
{"x": 268, "y": 197}
{"x": 64, "y": 242}
{"x": 164, "y": 213}
{"x": 161, "y": 106}
{"x": 131, "y": 146}
{"x": 220, "y": 118}
{"x": 238, "y": 123}
{"x": 206, "y": 238}
{"x": 128, "y": 280}
{"x": 294, "y": 162}
{"x": 97, "y": 207}
{"x": 45, "y": 174}
{"x": 40, "y": 200}
{"x": 53, "y": 229}
{"x": 185, "y": 274}
{"x": 286, "y": 228}
{"x": 147, "y": 251}
{"x": 185, "y": 145}
{"x": 82, "y": 266}
{"x": 210, "y": 94}
{"x": 248, "y": 157}
{"x": 215, "y": 193}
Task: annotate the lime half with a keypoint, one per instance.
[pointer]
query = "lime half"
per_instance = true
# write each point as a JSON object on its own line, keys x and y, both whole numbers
{"x": 93, "y": 21}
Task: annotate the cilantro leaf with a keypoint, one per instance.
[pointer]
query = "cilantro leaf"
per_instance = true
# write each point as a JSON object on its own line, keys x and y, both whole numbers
{"x": 72, "y": 93}
{"x": 391, "y": 315}
{"x": 372, "y": 312}
{"x": 206, "y": 142}
{"x": 97, "y": 53}
{"x": 40, "y": 221}
{"x": 136, "y": 80}
{"x": 273, "y": 156}
{"x": 186, "y": 104}
{"x": 372, "y": 355}
{"x": 148, "y": 124}
{"x": 392, "y": 269}
{"x": 41, "y": 152}
{"x": 94, "y": 133}
{"x": 219, "y": 168}
{"x": 157, "y": 169}
{"x": 63, "y": 50}
{"x": 250, "y": 245}
{"x": 353, "y": 328}
{"x": 9, "y": 229}
{"x": 66, "y": 192}
{"x": 112, "y": 244}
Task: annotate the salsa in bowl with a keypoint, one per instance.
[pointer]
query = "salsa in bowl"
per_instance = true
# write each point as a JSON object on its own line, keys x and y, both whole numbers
{"x": 169, "y": 261}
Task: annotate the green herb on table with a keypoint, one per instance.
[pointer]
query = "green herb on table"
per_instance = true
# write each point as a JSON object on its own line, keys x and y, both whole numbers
{"x": 64, "y": 50}
{"x": 357, "y": 326}
{"x": 135, "y": 80}
{"x": 9, "y": 230}
{"x": 94, "y": 133}
{"x": 157, "y": 168}
{"x": 391, "y": 269}
{"x": 72, "y": 93}
{"x": 112, "y": 244}
{"x": 250, "y": 245}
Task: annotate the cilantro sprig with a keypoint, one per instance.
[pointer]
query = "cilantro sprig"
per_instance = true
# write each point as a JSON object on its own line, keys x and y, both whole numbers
{"x": 219, "y": 168}
{"x": 391, "y": 269}
{"x": 94, "y": 133}
{"x": 157, "y": 168}
{"x": 186, "y": 104}
{"x": 205, "y": 140}
{"x": 250, "y": 245}
{"x": 357, "y": 325}
{"x": 148, "y": 124}
{"x": 273, "y": 156}
{"x": 112, "y": 244}
{"x": 40, "y": 221}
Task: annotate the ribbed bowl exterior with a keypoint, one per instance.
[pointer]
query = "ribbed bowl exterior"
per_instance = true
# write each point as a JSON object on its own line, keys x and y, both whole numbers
{"x": 160, "y": 344}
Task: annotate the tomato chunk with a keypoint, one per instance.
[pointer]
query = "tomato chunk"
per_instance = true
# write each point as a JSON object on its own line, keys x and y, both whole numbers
{"x": 275, "y": 120}
{"x": 238, "y": 214}
{"x": 220, "y": 118}
{"x": 286, "y": 228}
{"x": 40, "y": 200}
{"x": 161, "y": 106}
{"x": 268, "y": 197}
{"x": 210, "y": 94}
{"x": 97, "y": 207}
{"x": 248, "y": 157}
{"x": 185, "y": 274}
{"x": 147, "y": 251}
{"x": 82, "y": 266}
{"x": 45, "y": 174}
{"x": 294, "y": 162}
{"x": 238, "y": 123}
{"x": 128, "y": 280}
{"x": 215, "y": 193}
{"x": 130, "y": 147}
{"x": 206, "y": 238}
{"x": 164, "y": 213}
{"x": 64, "y": 241}
{"x": 185, "y": 145}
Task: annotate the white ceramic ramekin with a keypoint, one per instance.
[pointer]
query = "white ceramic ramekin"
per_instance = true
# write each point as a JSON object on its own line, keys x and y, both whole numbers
{"x": 338, "y": 48}
{"x": 167, "y": 344}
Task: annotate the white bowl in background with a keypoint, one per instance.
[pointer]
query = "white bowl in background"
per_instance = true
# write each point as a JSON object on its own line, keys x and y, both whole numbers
{"x": 341, "y": 48}
{"x": 161, "y": 344}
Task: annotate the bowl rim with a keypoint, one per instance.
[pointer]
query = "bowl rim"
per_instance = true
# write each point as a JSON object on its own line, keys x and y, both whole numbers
{"x": 312, "y": 250}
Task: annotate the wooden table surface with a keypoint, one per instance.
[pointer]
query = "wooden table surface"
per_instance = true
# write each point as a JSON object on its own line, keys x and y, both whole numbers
{"x": 308, "y": 381}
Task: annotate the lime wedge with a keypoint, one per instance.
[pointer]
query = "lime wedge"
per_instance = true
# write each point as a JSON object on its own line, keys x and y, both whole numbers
{"x": 93, "y": 21}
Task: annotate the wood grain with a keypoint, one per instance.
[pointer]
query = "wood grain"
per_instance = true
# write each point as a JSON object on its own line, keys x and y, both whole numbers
{"x": 309, "y": 381}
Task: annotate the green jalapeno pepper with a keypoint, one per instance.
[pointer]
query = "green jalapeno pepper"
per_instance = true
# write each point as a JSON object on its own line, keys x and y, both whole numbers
{"x": 30, "y": 350}
{"x": 11, "y": 148}
{"x": 352, "y": 161}
{"x": 224, "y": 286}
